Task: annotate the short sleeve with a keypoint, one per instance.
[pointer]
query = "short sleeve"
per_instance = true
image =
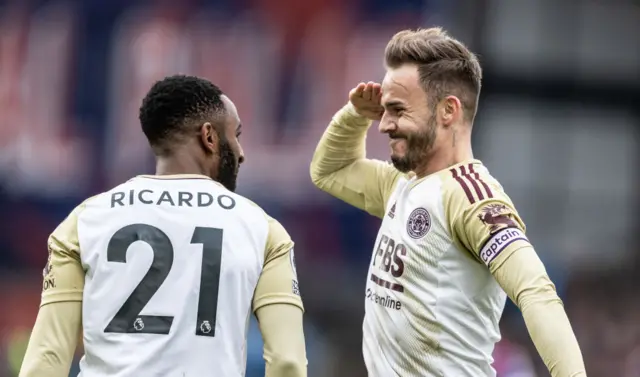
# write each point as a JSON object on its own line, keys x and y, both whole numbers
{"x": 63, "y": 274}
{"x": 483, "y": 219}
{"x": 278, "y": 282}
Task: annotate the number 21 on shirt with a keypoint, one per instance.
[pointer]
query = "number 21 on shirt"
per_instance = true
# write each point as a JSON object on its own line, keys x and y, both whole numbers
{"x": 128, "y": 318}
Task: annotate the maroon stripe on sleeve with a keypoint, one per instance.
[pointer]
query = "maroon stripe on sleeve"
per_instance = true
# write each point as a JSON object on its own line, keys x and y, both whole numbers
{"x": 477, "y": 177}
{"x": 473, "y": 182}
{"x": 464, "y": 185}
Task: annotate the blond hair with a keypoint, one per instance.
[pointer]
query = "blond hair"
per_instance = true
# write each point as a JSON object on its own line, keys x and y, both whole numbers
{"x": 445, "y": 65}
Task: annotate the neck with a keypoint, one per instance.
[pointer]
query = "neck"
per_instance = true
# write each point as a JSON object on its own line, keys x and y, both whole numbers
{"x": 179, "y": 162}
{"x": 443, "y": 158}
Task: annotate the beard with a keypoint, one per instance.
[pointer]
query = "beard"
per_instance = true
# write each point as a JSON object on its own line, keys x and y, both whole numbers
{"x": 228, "y": 168}
{"x": 419, "y": 144}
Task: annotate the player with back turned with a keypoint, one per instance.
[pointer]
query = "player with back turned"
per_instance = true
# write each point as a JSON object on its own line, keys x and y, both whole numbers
{"x": 163, "y": 271}
{"x": 451, "y": 242}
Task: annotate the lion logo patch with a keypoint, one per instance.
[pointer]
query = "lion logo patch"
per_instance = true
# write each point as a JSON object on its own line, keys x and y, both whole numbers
{"x": 496, "y": 217}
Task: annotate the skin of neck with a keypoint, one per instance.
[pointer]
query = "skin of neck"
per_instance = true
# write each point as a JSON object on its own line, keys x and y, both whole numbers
{"x": 182, "y": 161}
{"x": 456, "y": 148}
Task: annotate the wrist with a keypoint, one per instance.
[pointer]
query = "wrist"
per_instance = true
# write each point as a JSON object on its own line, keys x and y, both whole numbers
{"x": 349, "y": 116}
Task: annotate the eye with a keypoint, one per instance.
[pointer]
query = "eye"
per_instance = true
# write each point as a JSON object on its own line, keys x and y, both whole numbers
{"x": 397, "y": 111}
{"x": 238, "y": 135}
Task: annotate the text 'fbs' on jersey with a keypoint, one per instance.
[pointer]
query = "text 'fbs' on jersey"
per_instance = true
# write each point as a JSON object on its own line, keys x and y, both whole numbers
{"x": 432, "y": 305}
{"x": 451, "y": 246}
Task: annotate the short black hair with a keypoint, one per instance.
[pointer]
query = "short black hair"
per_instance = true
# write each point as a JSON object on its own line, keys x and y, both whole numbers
{"x": 175, "y": 104}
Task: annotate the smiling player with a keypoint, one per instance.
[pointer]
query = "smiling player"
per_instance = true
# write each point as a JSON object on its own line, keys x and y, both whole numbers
{"x": 451, "y": 242}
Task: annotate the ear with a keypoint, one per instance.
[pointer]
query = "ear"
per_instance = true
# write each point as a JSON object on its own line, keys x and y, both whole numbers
{"x": 450, "y": 110}
{"x": 209, "y": 138}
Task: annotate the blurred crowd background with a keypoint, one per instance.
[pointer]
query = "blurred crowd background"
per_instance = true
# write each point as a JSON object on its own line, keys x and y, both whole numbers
{"x": 557, "y": 125}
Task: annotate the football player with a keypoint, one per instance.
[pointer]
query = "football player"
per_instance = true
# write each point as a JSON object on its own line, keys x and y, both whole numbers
{"x": 451, "y": 245}
{"x": 163, "y": 271}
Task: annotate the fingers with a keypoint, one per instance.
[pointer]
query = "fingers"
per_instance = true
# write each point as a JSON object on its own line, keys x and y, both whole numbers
{"x": 368, "y": 91}
{"x": 357, "y": 91}
{"x": 376, "y": 93}
{"x": 371, "y": 91}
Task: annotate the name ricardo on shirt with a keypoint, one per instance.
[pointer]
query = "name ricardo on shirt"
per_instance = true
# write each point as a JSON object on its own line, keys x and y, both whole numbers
{"x": 170, "y": 198}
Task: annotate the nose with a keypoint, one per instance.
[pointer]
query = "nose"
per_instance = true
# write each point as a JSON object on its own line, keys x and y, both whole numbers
{"x": 387, "y": 125}
{"x": 241, "y": 155}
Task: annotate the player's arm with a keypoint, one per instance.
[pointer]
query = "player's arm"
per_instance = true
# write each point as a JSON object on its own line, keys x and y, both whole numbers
{"x": 493, "y": 231}
{"x": 55, "y": 334}
{"x": 523, "y": 277}
{"x": 278, "y": 308}
{"x": 340, "y": 167}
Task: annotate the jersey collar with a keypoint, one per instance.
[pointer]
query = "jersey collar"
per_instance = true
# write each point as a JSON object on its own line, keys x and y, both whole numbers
{"x": 415, "y": 181}
{"x": 174, "y": 177}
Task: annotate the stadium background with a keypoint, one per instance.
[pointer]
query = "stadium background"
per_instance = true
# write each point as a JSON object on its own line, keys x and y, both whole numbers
{"x": 557, "y": 125}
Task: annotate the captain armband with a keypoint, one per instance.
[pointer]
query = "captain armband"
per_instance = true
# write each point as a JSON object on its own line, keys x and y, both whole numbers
{"x": 500, "y": 241}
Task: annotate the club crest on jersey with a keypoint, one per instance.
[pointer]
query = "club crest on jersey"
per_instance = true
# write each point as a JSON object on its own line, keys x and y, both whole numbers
{"x": 419, "y": 223}
{"x": 496, "y": 217}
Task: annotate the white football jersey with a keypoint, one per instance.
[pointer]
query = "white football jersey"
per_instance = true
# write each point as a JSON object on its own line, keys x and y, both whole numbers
{"x": 173, "y": 270}
{"x": 432, "y": 306}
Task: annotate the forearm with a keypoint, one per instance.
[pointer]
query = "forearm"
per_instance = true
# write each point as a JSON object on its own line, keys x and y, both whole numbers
{"x": 342, "y": 144}
{"x": 53, "y": 340}
{"x": 339, "y": 166}
{"x": 284, "y": 345}
{"x": 552, "y": 335}
{"x": 522, "y": 275}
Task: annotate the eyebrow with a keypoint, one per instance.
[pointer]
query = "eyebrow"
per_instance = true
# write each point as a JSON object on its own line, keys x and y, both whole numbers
{"x": 393, "y": 104}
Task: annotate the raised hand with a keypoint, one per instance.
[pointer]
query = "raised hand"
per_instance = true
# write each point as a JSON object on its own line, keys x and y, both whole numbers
{"x": 365, "y": 98}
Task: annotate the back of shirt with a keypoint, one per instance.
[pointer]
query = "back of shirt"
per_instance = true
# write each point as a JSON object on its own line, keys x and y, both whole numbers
{"x": 171, "y": 266}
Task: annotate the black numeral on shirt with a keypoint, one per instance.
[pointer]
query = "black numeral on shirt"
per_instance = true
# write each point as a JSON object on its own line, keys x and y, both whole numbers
{"x": 128, "y": 318}
{"x": 211, "y": 240}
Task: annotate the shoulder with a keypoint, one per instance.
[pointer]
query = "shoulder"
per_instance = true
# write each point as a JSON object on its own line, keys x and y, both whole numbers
{"x": 65, "y": 235}
{"x": 470, "y": 183}
{"x": 81, "y": 208}
{"x": 248, "y": 208}
{"x": 277, "y": 237}
{"x": 478, "y": 211}
{"x": 106, "y": 198}
{"x": 263, "y": 215}
{"x": 469, "y": 190}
